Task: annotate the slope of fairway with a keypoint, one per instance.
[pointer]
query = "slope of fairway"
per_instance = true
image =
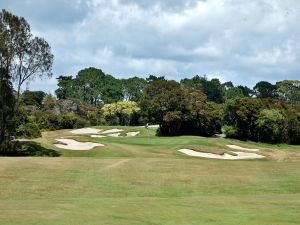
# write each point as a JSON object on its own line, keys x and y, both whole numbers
{"x": 148, "y": 191}
{"x": 144, "y": 180}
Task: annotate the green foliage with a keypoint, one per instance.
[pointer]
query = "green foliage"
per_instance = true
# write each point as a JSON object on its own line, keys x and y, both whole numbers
{"x": 213, "y": 89}
{"x": 289, "y": 90}
{"x": 202, "y": 117}
{"x": 133, "y": 88}
{"x": 92, "y": 86}
{"x": 263, "y": 120}
{"x": 120, "y": 113}
{"x": 48, "y": 121}
{"x": 49, "y": 102}
{"x": 153, "y": 78}
{"x": 33, "y": 98}
{"x": 178, "y": 110}
{"x": 26, "y": 57}
{"x": 7, "y": 103}
{"x": 164, "y": 103}
{"x": 264, "y": 89}
{"x": 71, "y": 121}
{"x": 270, "y": 125}
{"x": 28, "y": 130}
{"x": 65, "y": 87}
{"x": 233, "y": 92}
{"x": 230, "y": 131}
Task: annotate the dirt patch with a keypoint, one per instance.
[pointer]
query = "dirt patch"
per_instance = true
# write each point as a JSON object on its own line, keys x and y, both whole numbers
{"x": 71, "y": 144}
{"x": 238, "y": 155}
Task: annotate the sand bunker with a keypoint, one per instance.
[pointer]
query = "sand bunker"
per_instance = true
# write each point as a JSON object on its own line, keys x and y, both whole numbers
{"x": 71, "y": 144}
{"x": 86, "y": 131}
{"x": 97, "y": 136}
{"x": 132, "y": 134}
{"x": 111, "y": 131}
{"x": 239, "y": 155}
{"x": 241, "y": 148}
{"x": 114, "y": 135}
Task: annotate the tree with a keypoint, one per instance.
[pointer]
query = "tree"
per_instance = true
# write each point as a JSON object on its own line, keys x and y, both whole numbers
{"x": 266, "y": 120}
{"x": 28, "y": 57}
{"x": 91, "y": 85}
{"x": 164, "y": 103}
{"x": 212, "y": 88}
{"x": 264, "y": 89}
{"x": 133, "y": 88}
{"x": 270, "y": 125}
{"x": 49, "y": 102}
{"x": 179, "y": 110}
{"x": 153, "y": 78}
{"x": 120, "y": 113}
{"x": 7, "y": 102}
{"x": 33, "y": 98}
{"x": 65, "y": 87}
{"x": 228, "y": 85}
{"x": 247, "y": 92}
{"x": 289, "y": 90}
{"x": 202, "y": 118}
{"x": 233, "y": 92}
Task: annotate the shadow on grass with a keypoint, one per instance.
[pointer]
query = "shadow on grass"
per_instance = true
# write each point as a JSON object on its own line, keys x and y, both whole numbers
{"x": 30, "y": 148}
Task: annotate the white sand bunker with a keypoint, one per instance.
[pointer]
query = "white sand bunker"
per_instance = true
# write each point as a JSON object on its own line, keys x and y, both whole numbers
{"x": 97, "y": 136}
{"x": 132, "y": 134}
{"x": 71, "y": 144}
{"x": 111, "y": 131}
{"x": 241, "y": 148}
{"x": 239, "y": 155}
{"x": 114, "y": 135}
{"x": 86, "y": 131}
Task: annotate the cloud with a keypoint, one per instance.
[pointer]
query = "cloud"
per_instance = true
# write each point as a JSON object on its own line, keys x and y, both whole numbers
{"x": 242, "y": 41}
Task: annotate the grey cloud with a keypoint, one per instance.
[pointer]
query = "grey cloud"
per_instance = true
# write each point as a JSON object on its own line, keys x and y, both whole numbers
{"x": 231, "y": 39}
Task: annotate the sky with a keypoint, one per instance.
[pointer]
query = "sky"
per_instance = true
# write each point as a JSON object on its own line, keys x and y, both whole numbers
{"x": 233, "y": 40}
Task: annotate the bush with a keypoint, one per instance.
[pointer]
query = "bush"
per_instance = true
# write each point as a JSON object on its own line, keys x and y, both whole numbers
{"x": 49, "y": 121}
{"x": 71, "y": 121}
{"x": 230, "y": 131}
{"x": 92, "y": 118}
{"x": 270, "y": 125}
{"x": 28, "y": 130}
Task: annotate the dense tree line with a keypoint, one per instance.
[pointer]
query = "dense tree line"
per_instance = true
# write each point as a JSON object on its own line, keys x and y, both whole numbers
{"x": 265, "y": 120}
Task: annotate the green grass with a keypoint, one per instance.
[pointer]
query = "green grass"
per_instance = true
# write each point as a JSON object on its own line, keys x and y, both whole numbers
{"x": 144, "y": 180}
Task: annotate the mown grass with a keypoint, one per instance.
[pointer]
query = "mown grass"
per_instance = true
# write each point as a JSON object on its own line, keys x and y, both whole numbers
{"x": 144, "y": 180}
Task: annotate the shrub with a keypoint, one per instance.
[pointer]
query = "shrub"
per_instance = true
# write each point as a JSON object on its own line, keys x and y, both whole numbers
{"x": 230, "y": 131}
{"x": 71, "y": 121}
{"x": 28, "y": 130}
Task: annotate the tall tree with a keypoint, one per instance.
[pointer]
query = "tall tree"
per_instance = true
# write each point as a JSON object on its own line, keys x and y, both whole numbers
{"x": 65, "y": 87}
{"x": 7, "y": 101}
{"x": 264, "y": 89}
{"x": 164, "y": 103}
{"x": 29, "y": 57}
{"x": 133, "y": 88}
{"x": 289, "y": 90}
{"x": 212, "y": 88}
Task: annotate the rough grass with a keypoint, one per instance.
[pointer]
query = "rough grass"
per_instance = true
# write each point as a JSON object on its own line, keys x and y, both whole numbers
{"x": 144, "y": 180}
